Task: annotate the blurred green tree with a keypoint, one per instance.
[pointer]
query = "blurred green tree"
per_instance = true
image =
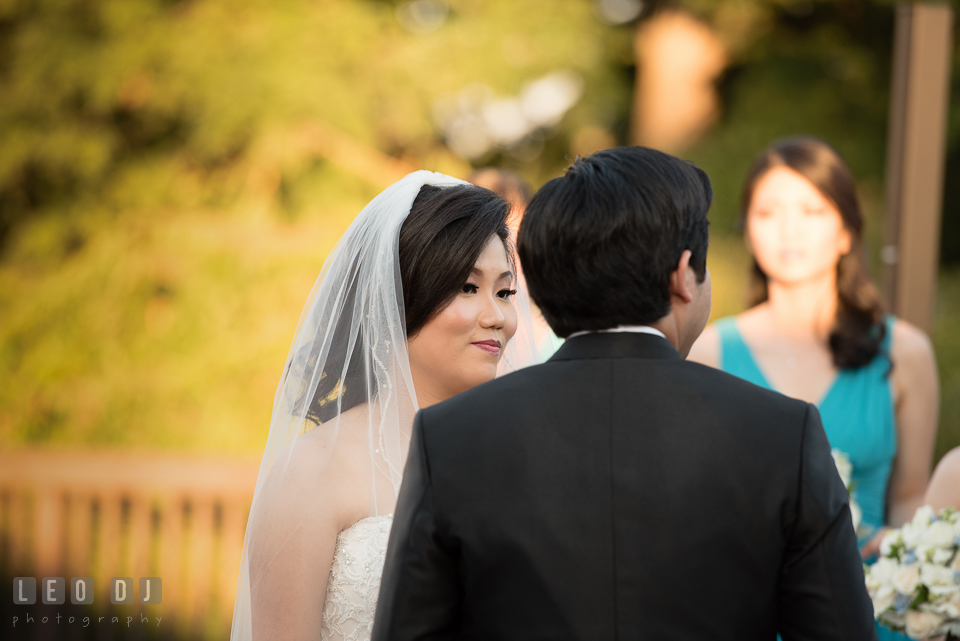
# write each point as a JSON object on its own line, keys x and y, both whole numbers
{"x": 139, "y": 104}
{"x": 172, "y": 173}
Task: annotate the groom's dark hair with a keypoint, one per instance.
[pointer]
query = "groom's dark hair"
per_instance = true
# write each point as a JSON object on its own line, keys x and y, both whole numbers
{"x": 598, "y": 244}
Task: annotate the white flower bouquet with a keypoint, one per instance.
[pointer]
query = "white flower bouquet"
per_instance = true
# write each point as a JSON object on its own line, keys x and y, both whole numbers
{"x": 915, "y": 585}
{"x": 845, "y": 468}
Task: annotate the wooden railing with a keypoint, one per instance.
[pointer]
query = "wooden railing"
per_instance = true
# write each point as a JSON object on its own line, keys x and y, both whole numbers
{"x": 107, "y": 514}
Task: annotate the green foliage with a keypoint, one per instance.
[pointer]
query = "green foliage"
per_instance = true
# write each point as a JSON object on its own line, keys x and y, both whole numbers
{"x": 816, "y": 68}
{"x": 164, "y": 211}
{"x": 162, "y": 218}
{"x": 140, "y": 104}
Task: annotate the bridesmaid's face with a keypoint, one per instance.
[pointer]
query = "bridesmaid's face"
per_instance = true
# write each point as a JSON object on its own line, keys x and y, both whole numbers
{"x": 795, "y": 233}
{"x": 462, "y": 345}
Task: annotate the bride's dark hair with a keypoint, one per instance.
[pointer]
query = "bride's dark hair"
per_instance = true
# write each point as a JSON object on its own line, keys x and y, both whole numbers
{"x": 440, "y": 241}
{"x": 858, "y": 329}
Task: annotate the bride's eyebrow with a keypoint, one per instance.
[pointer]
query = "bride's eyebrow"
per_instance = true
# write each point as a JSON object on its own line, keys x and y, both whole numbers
{"x": 479, "y": 272}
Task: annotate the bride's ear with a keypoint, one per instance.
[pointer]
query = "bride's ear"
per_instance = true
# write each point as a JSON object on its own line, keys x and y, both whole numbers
{"x": 679, "y": 278}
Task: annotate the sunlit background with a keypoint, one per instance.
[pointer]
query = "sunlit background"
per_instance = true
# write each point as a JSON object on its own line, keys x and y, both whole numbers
{"x": 173, "y": 174}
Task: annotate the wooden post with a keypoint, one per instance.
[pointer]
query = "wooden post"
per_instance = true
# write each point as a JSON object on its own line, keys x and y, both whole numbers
{"x": 199, "y": 566}
{"x": 108, "y": 540}
{"x": 233, "y": 523}
{"x": 80, "y": 533}
{"x": 49, "y": 532}
{"x": 139, "y": 537}
{"x": 916, "y": 147}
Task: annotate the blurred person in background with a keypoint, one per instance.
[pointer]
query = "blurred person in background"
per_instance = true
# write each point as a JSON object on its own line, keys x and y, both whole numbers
{"x": 514, "y": 189}
{"x": 414, "y": 305}
{"x": 944, "y": 489}
{"x": 816, "y": 330}
{"x": 510, "y": 186}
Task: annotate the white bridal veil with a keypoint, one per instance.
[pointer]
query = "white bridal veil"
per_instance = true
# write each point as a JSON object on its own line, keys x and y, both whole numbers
{"x": 346, "y": 399}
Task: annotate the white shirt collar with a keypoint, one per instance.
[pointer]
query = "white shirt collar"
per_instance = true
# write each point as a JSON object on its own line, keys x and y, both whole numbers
{"x": 636, "y": 329}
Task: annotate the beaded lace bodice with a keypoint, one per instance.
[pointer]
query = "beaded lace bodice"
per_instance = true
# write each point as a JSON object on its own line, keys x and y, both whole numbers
{"x": 354, "y": 582}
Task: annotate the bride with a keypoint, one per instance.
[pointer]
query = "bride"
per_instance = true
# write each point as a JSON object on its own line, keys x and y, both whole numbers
{"x": 414, "y": 305}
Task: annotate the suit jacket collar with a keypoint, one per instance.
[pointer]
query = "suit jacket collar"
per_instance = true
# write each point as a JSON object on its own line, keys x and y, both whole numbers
{"x": 618, "y": 345}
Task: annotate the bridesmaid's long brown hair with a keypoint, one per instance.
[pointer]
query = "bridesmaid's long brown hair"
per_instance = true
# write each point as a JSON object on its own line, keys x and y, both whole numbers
{"x": 858, "y": 329}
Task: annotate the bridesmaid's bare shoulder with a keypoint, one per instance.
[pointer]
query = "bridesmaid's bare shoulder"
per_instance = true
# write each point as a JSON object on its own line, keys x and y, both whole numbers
{"x": 944, "y": 488}
{"x": 913, "y": 358}
{"x": 706, "y": 349}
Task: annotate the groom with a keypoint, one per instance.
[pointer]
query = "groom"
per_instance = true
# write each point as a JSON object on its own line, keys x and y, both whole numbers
{"x": 618, "y": 491}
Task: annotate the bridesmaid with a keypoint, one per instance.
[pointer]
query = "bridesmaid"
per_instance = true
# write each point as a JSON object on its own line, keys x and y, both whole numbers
{"x": 816, "y": 330}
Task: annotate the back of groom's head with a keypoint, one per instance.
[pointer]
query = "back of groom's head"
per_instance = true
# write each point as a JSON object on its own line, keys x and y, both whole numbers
{"x": 598, "y": 244}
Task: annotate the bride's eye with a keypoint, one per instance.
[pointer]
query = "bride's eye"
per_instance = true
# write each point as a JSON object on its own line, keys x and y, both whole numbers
{"x": 470, "y": 288}
{"x": 506, "y": 294}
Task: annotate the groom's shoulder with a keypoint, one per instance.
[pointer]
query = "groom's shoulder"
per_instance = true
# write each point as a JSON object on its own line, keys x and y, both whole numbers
{"x": 492, "y": 397}
{"x": 566, "y": 381}
{"x": 736, "y": 397}
{"x": 735, "y": 388}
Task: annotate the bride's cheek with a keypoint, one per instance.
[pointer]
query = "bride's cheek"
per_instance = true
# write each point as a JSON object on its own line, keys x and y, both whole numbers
{"x": 510, "y": 327}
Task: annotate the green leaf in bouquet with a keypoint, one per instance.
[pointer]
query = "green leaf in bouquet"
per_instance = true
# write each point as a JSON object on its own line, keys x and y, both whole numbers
{"x": 923, "y": 595}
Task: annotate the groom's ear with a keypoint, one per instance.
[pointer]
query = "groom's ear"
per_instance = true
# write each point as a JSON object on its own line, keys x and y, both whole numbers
{"x": 680, "y": 283}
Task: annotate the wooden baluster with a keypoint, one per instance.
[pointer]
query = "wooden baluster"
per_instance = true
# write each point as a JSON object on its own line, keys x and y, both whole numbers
{"x": 201, "y": 563}
{"x": 108, "y": 543}
{"x": 171, "y": 538}
{"x": 80, "y": 534}
{"x": 48, "y": 529}
{"x": 21, "y": 531}
{"x": 233, "y": 524}
{"x": 139, "y": 537}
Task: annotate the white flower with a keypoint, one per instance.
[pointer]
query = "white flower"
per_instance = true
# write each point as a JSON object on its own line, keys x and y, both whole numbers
{"x": 844, "y": 466}
{"x": 911, "y": 534}
{"x": 922, "y": 516}
{"x": 881, "y": 573}
{"x": 948, "y": 605}
{"x": 856, "y": 513}
{"x": 938, "y": 579}
{"x": 907, "y": 578}
{"x": 889, "y": 540}
{"x": 938, "y": 534}
{"x": 942, "y": 556}
{"x": 922, "y": 625}
{"x": 882, "y": 599}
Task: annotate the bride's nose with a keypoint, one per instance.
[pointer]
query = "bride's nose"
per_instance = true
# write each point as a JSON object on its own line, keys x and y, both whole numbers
{"x": 491, "y": 315}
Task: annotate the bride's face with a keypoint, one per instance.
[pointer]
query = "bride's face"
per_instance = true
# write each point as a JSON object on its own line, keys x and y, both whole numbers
{"x": 460, "y": 347}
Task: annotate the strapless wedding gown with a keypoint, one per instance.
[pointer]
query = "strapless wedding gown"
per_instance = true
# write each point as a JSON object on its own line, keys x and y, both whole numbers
{"x": 354, "y": 582}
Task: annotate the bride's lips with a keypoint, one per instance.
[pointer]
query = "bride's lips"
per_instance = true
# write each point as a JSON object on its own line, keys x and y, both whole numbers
{"x": 490, "y": 347}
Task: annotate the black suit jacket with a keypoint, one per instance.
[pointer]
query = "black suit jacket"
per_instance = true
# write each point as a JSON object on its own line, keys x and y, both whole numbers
{"x": 620, "y": 492}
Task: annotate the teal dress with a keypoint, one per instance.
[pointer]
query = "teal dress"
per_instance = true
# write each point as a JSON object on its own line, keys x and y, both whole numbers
{"x": 858, "y": 417}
